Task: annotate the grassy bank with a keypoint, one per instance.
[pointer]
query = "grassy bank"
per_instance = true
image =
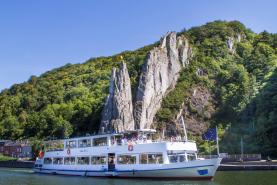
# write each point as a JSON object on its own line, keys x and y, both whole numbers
{"x": 7, "y": 158}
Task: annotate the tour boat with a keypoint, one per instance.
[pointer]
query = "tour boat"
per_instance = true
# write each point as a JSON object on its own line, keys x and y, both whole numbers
{"x": 133, "y": 154}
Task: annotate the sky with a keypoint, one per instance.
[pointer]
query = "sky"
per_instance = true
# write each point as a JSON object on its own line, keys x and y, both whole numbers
{"x": 37, "y": 36}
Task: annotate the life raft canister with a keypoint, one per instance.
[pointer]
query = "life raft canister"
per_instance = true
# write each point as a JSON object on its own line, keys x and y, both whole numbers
{"x": 130, "y": 147}
{"x": 68, "y": 151}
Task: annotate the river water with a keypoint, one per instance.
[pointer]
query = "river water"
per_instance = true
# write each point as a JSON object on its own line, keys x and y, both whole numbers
{"x": 27, "y": 177}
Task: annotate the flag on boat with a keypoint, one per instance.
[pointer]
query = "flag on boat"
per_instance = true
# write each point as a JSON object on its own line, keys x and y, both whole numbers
{"x": 210, "y": 135}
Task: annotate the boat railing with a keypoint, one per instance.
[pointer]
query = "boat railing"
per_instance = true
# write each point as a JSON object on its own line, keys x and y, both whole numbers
{"x": 145, "y": 141}
{"x": 54, "y": 150}
{"x": 199, "y": 156}
{"x": 126, "y": 142}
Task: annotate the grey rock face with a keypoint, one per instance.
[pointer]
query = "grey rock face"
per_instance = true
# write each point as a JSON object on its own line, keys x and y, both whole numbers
{"x": 231, "y": 42}
{"x": 160, "y": 73}
{"x": 185, "y": 52}
{"x": 117, "y": 115}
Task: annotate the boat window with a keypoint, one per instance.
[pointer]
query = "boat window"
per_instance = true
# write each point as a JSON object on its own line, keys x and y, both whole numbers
{"x": 102, "y": 141}
{"x": 191, "y": 156}
{"x": 47, "y": 161}
{"x": 126, "y": 159}
{"x": 143, "y": 158}
{"x": 58, "y": 160}
{"x": 71, "y": 144}
{"x": 151, "y": 158}
{"x": 84, "y": 143}
{"x": 117, "y": 140}
{"x": 83, "y": 160}
{"x": 69, "y": 160}
{"x": 54, "y": 145}
{"x": 173, "y": 158}
{"x": 98, "y": 160}
{"x": 182, "y": 158}
{"x": 155, "y": 158}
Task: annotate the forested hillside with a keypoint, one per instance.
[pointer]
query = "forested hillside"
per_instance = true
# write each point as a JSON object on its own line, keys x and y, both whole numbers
{"x": 62, "y": 102}
{"x": 232, "y": 67}
{"x": 237, "y": 67}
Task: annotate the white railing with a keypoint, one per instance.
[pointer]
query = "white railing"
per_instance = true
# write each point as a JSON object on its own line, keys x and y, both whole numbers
{"x": 233, "y": 157}
{"x": 141, "y": 141}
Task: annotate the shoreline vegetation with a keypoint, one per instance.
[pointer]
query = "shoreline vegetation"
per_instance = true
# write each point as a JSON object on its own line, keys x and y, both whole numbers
{"x": 7, "y": 158}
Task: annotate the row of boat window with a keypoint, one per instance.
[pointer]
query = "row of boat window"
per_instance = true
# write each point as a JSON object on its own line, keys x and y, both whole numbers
{"x": 95, "y": 160}
{"x": 102, "y": 141}
{"x": 174, "y": 158}
{"x": 101, "y": 160}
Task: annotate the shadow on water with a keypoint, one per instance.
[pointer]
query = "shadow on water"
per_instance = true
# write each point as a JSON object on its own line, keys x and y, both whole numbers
{"x": 27, "y": 177}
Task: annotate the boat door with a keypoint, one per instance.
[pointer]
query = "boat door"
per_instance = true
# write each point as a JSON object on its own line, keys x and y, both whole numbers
{"x": 111, "y": 162}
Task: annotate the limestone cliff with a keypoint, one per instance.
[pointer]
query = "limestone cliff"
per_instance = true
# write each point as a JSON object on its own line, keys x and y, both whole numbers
{"x": 232, "y": 40}
{"x": 117, "y": 115}
{"x": 159, "y": 74}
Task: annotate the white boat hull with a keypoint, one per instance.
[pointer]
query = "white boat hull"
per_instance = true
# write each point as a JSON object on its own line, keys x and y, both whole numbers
{"x": 198, "y": 169}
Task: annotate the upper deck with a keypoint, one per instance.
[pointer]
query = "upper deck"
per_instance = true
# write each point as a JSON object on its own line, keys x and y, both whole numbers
{"x": 140, "y": 142}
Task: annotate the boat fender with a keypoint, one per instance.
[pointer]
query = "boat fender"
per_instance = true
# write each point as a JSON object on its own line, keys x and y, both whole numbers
{"x": 68, "y": 151}
{"x": 130, "y": 147}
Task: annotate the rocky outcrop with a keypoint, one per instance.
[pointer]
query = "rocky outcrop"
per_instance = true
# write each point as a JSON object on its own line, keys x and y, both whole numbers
{"x": 117, "y": 115}
{"x": 231, "y": 42}
{"x": 159, "y": 74}
{"x": 185, "y": 51}
{"x": 197, "y": 111}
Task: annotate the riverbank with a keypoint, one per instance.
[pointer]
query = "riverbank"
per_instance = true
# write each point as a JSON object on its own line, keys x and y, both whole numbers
{"x": 249, "y": 165}
{"x": 17, "y": 164}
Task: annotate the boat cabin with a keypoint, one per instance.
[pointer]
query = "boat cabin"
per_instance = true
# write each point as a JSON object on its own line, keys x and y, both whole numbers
{"x": 132, "y": 147}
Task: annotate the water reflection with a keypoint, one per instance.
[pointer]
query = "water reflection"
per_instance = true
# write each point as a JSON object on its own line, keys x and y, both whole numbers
{"x": 27, "y": 177}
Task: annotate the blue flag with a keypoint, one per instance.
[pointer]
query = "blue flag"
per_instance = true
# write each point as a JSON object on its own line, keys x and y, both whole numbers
{"x": 210, "y": 135}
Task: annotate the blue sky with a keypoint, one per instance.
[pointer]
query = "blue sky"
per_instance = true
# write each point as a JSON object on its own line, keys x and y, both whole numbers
{"x": 37, "y": 36}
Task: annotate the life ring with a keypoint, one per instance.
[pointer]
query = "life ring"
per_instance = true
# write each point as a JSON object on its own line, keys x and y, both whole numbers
{"x": 68, "y": 151}
{"x": 130, "y": 147}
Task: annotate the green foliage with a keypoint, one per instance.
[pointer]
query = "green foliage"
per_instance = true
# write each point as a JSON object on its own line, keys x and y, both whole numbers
{"x": 6, "y": 158}
{"x": 65, "y": 101}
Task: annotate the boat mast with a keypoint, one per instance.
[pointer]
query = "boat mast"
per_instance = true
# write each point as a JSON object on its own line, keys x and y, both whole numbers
{"x": 184, "y": 127}
{"x": 217, "y": 145}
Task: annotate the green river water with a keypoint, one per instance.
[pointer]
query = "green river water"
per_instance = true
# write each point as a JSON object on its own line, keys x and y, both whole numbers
{"x": 27, "y": 177}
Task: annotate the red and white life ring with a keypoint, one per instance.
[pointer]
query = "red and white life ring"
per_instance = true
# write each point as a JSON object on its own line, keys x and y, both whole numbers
{"x": 130, "y": 147}
{"x": 68, "y": 151}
